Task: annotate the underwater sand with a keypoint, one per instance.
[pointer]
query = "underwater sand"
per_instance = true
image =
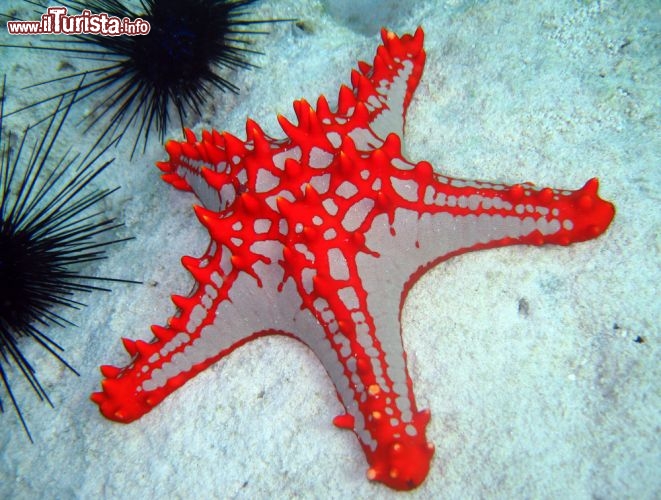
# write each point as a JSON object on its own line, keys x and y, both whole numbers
{"x": 526, "y": 356}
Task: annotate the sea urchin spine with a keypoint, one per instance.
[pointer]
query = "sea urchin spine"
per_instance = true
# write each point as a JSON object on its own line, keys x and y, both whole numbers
{"x": 50, "y": 223}
{"x": 175, "y": 67}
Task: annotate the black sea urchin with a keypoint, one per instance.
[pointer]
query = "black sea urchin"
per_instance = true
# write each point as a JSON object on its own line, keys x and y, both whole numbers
{"x": 50, "y": 222}
{"x": 175, "y": 67}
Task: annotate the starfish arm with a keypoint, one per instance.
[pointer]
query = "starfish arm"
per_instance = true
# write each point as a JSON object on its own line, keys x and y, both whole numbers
{"x": 220, "y": 315}
{"x": 364, "y": 356}
{"x": 326, "y": 255}
{"x": 374, "y": 107}
{"x": 386, "y": 87}
{"x": 427, "y": 217}
{"x": 205, "y": 167}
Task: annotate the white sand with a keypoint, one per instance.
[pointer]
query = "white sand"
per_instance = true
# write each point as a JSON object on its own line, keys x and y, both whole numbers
{"x": 556, "y": 403}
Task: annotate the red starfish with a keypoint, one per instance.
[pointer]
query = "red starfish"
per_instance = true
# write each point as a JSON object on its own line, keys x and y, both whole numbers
{"x": 319, "y": 236}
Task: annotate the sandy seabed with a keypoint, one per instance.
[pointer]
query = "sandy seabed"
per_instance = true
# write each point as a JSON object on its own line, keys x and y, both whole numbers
{"x": 540, "y": 365}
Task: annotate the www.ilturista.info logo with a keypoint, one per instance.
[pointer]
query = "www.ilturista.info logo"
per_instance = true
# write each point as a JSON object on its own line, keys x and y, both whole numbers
{"x": 57, "y": 22}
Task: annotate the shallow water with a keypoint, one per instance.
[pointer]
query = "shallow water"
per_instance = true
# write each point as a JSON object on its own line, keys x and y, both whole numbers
{"x": 540, "y": 365}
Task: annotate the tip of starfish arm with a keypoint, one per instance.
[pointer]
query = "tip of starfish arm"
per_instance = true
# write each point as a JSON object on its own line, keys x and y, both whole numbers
{"x": 387, "y": 86}
{"x": 593, "y": 214}
{"x": 405, "y": 468}
{"x": 569, "y": 216}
